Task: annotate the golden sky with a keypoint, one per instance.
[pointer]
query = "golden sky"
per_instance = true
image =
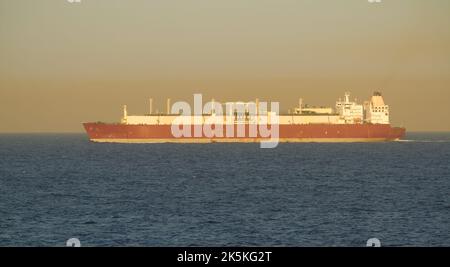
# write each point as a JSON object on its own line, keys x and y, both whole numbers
{"x": 64, "y": 63}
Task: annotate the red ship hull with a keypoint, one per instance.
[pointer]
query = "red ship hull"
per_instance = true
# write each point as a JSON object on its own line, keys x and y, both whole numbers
{"x": 122, "y": 133}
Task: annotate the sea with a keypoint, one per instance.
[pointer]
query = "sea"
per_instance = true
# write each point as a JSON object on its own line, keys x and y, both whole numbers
{"x": 54, "y": 187}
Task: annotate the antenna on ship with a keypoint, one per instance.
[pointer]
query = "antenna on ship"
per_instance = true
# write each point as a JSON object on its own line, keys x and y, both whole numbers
{"x": 151, "y": 106}
{"x": 347, "y": 97}
{"x": 300, "y": 105}
{"x": 168, "y": 105}
{"x": 125, "y": 114}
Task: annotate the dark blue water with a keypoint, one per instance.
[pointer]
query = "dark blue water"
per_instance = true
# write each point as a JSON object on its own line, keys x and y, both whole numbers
{"x": 58, "y": 186}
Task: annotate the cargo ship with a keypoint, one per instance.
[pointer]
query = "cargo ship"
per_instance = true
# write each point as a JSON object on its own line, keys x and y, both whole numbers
{"x": 348, "y": 121}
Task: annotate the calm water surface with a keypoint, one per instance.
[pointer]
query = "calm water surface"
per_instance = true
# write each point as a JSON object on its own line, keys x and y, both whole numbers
{"x": 57, "y": 186}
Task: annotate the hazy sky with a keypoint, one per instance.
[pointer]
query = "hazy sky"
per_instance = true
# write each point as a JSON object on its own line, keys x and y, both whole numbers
{"x": 63, "y": 63}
